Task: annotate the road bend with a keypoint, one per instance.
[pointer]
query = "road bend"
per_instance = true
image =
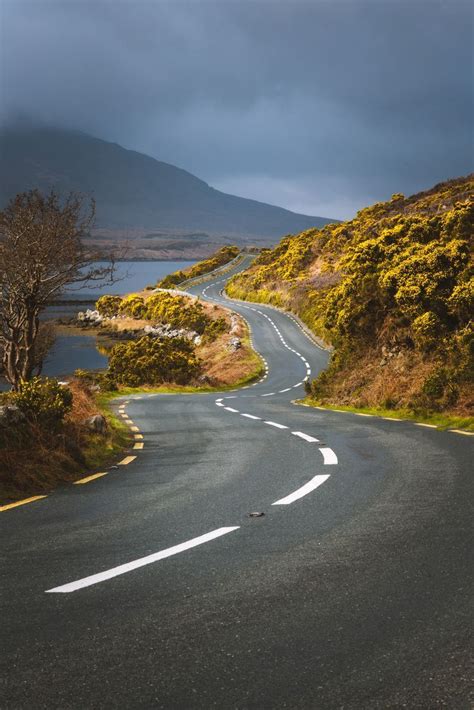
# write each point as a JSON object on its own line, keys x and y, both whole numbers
{"x": 253, "y": 553}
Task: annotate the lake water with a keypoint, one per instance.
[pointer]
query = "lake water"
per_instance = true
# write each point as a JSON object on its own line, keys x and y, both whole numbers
{"x": 71, "y": 352}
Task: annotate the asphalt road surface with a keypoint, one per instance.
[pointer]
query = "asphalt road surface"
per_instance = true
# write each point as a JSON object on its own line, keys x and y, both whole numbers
{"x": 153, "y": 587}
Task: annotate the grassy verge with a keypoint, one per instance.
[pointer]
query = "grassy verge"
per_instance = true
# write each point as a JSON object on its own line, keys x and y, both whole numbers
{"x": 440, "y": 420}
{"x": 34, "y": 460}
{"x": 100, "y": 453}
{"x": 258, "y": 370}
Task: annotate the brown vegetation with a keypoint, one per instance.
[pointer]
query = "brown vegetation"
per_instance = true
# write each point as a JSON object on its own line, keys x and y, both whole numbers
{"x": 393, "y": 291}
{"x": 35, "y": 458}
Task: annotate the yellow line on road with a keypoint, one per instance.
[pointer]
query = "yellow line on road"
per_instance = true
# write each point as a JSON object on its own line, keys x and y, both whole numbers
{"x": 138, "y": 436}
{"x": 20, "y": 502}
{"x": 89, "y": 478}
{"x": 138, "y": 446}
{"x": 126, "y": 460}
{"x": 134, "y": 428}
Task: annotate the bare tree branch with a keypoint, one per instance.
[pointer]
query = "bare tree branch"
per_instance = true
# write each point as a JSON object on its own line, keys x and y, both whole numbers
{"x": 41, "y": 252}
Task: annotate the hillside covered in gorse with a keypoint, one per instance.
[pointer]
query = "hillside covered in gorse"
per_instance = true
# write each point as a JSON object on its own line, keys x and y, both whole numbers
{"x": 392, "y": 290}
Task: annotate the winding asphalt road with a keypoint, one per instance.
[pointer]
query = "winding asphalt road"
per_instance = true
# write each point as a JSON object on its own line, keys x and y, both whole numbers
{"x": 152, "y": 587}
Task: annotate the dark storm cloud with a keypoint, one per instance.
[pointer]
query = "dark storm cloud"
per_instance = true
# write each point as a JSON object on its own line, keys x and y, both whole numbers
{"x": 319, "y": 106}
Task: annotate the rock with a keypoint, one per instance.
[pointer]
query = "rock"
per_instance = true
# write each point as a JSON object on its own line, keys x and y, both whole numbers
{"x": 96, "y": 424}
{"x": 89, "y": 316}
{"x": 234, "y": 344}
{"x": 165, "y": 331}
{"x": 234, "y": 323}
{"x": 11, "y": 415}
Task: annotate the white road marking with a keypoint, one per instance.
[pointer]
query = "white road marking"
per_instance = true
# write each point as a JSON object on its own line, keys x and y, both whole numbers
{"x": 219, "y": 400}
{"x": 250, "y": 416}
{"x": 303, "y": 491}
{"x": 329, "y": 456}
{"x": 286, "y": 390}
{"x": 230, "y": 409}
{"x": 363, "y": 414}
{"x": 275, "y": 424}
{"x": 149, "y": 559}
{"x": 219, "y": 404}
{"x": 298, "y": 384}
{"x": 269, "y": 394}
{"x": 461, "y": 431}
{"x": 304, "y": 436}
{"x": 430, "y": 426}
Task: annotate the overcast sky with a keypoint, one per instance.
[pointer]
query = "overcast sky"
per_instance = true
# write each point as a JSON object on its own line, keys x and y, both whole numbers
{"x": 320, "y": 107}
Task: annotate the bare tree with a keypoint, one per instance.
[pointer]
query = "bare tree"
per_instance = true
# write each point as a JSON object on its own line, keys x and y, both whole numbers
{"x": 42, "y": 250}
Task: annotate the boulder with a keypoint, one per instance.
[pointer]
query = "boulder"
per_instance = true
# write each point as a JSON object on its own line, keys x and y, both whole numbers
{"x": 234, "y": 344}
{"x": 96, "y": 424}
{"x": 10, "y": 415}
{"x": 89, "y": 316}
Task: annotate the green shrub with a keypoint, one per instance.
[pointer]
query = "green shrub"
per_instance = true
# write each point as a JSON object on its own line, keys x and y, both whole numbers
{"x": 43, "y": 401}
{"x": 108, "y": 306}
{"x": 133, "y": 306}
{"x": 152, "y": 361}
{"x": 219, "y": 258}
{"x": 178, "y": 311}
{"x": 427, "y": 329}
{"x": 215, "y": 328}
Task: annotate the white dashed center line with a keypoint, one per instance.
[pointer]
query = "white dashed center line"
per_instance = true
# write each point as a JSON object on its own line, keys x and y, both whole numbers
{"x": 304, "y": 436}
{"x": 148, "y": 560}
{"x": 275, "y": 424}
{"x": 329, "y": 456}
{"x": 303, "y": 491}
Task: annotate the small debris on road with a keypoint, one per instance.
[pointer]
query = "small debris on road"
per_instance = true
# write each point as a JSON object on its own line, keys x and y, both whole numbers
{"x": 256, "y": 514}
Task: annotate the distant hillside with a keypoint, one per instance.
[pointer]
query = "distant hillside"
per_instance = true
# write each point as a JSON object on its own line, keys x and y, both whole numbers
{"x": 393, "y": 291}
{"x": 134, "y": 191}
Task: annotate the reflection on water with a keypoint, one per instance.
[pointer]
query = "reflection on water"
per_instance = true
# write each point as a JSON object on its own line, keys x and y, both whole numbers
{"x": 72, "y": 352}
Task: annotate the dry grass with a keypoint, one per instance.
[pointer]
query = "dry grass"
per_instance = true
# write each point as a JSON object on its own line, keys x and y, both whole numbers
{"x": 35, "y": 460}
{"x": 396, "y": 384}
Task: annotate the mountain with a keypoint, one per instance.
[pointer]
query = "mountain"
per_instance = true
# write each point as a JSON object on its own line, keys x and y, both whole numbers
{"x": 393, "y": 291}
{"x": 134, "y": 191}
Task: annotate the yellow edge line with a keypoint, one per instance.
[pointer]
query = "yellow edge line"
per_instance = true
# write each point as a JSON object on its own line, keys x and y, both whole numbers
{"x": 393, "y": 419}
{"x": 88, "y": 478}
{"x": 138, "y": 446}
{"x": 134, "y": 428}
{"x": 126, "y": 460}
{"x": 20, "y": 502}
{"x": 138, "y": 436}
